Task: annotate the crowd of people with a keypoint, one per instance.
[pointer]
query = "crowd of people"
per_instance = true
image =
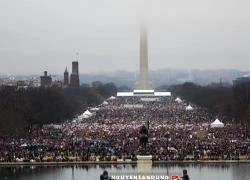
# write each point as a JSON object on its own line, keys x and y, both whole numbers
{"x": 112, "y": 134}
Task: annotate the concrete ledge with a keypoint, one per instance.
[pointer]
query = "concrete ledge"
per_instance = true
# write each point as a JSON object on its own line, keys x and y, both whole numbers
{"x": 146, "y": 157}
{"x": 114, "y": 162}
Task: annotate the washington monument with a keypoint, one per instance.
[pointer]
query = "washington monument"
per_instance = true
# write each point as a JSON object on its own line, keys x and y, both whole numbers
{"x": 143, "y": 85}
{"x": 143, "y": 82}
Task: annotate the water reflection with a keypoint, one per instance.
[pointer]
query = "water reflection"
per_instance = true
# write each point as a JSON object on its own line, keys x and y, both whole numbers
{"x": 204, "y": 171}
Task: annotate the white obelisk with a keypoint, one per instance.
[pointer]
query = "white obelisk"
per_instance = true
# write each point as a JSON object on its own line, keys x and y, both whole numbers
{"x": 143, "y": 83}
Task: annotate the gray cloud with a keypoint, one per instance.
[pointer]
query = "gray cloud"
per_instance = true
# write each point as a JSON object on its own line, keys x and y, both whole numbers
{"x": 46, "y": 34}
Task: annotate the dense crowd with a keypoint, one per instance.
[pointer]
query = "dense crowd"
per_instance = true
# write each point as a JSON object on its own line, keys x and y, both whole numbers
{"x": 112, "y": 134}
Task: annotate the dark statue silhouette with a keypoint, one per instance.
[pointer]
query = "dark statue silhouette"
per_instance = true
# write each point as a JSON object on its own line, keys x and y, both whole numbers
{"x": 143, "y": 138}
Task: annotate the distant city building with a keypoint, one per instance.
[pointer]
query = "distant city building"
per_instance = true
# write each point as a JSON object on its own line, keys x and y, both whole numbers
{"x": 35, "y": 82}
{"x": 57, "y": 83}
{"x": 66, "y": 78}
{"x": 75, "y": 67}
{"x": 74, "y": 81}
{"x": 8, "y": 82}
{"x": 21, "y": 83}
{"x": 74, "y": 77}
{"x": 46, "y": 81}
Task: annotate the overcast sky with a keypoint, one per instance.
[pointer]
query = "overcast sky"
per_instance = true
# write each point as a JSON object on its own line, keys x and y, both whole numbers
{"x": 38, "y": 35}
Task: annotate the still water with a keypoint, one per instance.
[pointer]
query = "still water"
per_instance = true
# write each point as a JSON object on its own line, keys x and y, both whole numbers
{"x": 210, "y": 171}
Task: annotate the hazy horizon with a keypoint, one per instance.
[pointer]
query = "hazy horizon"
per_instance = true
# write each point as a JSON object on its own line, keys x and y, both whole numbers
{"x": 134, "y": 72}
{"x": 45, "y": 35}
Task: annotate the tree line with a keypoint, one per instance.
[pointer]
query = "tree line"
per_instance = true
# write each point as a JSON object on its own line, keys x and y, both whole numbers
{"x": 229, "y": 102}
{"x": 21, "y": 109}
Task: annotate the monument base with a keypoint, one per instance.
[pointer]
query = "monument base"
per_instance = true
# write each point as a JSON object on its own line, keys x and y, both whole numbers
{"x": 144, "y": 164}
{"x": 144, "y": 157}
{"x": 144, "y": 93}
